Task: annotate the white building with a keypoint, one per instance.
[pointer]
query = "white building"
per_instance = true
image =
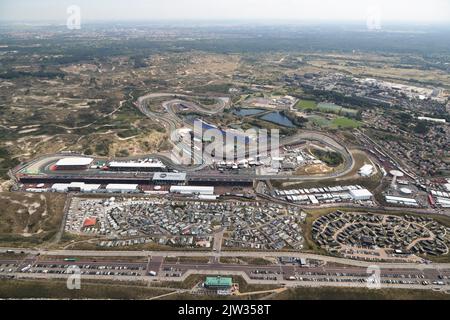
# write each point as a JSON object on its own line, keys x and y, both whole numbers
{"x": 207, "y": 197}
{"x": 122, "y": 188}
{"x": 73, "y": 163}
{"x": 361, "y": 194}
{"x": 443, "y": 202}
{"x": 75, "y": 186}
{"x": 402, "y": 201}
{"x": 136, "y": 166}
{"x": 313, "y": 199}
{"x": 432, "y": 119}
{"x": 192, "y": 190}
{"x": 366, "y": 170}
{"x": 169, "y": 178}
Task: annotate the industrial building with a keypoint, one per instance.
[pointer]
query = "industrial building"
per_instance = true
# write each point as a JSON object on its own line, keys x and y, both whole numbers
{"x": 441, "y": 194}
{"x": 443, "y": 202}
{"x": 122, "y": 188}
{"x": 361, "y": 194}
{"x": 75, "y": 187}
{"x": 169, "y": 178}
{"x": 402, "y": 201}
{"x": 192, "y": 190}
{"x": 73, "y": 163}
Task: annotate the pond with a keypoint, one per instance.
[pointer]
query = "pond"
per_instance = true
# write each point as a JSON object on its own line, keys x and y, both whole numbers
{"x": 247, "y": 112}
{"x": 279, "y": 119}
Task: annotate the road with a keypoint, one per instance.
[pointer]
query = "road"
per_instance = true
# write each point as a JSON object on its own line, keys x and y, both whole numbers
{"x": 288, "y": 275}
{"x": 172, "y": 121}
{"x": 253, "y": 254}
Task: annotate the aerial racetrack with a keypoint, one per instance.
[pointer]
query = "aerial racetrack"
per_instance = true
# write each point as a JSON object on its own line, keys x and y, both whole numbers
{"x": 173, "y": 121}
{"x": 169, "y": 117}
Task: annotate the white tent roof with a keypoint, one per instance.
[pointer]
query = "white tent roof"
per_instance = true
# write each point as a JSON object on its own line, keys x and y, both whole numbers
{"x": 114, "y": 164}
{"x": 361, "y": 193}
{"x": 121, "y": 187}
{"x": 74, "y": 161}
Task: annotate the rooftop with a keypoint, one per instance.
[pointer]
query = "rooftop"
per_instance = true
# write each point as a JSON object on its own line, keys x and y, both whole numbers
{"x": 169, "y": 176}
{"x": 121, "y": 187}
{"x": 74, "y": 161}
{"x": 89, "y": 222}
{"x": 361, "y": 193}
{"x": 136, "y": 164}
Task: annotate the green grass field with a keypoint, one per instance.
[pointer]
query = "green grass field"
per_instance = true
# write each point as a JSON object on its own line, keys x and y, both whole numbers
{"x": 336, "y": 109}
{"x": 345, "y": 123}
{"x": 306, "y": 104}
{"x": 325, "y": 107}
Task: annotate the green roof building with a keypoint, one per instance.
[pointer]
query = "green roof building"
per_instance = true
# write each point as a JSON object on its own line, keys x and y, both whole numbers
{"x": 218, "y": 283}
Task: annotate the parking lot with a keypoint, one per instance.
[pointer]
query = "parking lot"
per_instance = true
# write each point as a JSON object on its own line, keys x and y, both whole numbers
{"x": 277, "y": 272}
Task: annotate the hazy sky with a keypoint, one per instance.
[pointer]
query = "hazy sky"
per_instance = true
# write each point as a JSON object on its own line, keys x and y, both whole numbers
{"x": 389, "y": 10}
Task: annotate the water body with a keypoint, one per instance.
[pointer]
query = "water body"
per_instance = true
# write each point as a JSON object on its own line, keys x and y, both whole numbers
{"x": 279, "y": 119}
{"x": 247, "y": 112}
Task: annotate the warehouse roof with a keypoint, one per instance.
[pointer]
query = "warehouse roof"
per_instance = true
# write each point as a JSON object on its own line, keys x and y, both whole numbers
{"x": 400, "y": 199}
{"x": 74, "y": 161}
{"x": 361, "y": 193}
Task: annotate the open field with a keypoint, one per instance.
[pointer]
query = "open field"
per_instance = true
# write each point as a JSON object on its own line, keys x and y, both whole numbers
{"x": 306, "y": 105}
{"x": 359, "y": 294}
{"x": 57, "y": 289}
{"x": 29, "y": 219}
{"x": 383, "y": 68}
{"x": 312, "y": 105}
{"x": 345, "y": 123}
{"x": 243, "y": 260}
{"x": 186, "y": 259}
